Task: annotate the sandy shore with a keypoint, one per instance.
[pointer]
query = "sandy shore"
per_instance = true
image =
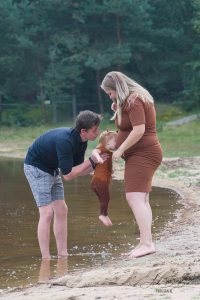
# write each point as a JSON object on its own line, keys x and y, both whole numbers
{"x": 173, "y": 272}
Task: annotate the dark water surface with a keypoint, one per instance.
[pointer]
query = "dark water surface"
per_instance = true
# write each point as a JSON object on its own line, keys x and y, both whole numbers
{"x": 90, "y": 243}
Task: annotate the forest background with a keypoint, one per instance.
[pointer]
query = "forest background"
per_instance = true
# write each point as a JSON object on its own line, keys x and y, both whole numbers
{"x": 54, "y": 54}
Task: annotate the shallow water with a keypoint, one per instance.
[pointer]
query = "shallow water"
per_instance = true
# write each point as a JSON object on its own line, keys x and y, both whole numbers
{"x": 90, "y": 244}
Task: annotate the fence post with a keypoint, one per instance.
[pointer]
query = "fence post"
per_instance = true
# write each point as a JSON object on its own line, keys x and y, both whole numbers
{"x": 74, "y": 110}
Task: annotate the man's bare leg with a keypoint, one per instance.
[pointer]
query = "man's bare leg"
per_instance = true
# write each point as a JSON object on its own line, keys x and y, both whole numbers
{"x": 46, "y": 215}
{"x": 60, "y": 226}
{"x": 139, "y": 204}
{"x": 105, "y": 220}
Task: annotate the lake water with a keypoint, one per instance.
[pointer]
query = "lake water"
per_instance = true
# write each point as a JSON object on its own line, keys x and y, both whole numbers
{"x": 90, "y": 243}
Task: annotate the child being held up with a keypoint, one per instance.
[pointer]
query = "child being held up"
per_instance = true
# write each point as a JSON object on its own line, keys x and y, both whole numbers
{"x": 103, "y": 172}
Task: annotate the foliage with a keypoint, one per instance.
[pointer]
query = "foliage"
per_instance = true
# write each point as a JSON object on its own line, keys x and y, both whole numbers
{"x": 51, "y": 48}
{"x": 191, "y": 79}
{"x": 167, "y": 112}
{"x": 20, "y": 116}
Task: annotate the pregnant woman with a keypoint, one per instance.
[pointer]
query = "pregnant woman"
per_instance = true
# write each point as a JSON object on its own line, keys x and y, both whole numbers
{"x": 138, "y": 145}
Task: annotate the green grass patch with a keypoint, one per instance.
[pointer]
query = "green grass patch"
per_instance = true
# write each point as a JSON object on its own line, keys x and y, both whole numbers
{"x": 181, "y": 140}
{"x": 176, "y": 141}
{"x": 168, "y": 112}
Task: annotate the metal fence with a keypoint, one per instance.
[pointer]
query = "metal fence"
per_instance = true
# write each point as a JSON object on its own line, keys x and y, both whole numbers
{"x": 47, "y": 111}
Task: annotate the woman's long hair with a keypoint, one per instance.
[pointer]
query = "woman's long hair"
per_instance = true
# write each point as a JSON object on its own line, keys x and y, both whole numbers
{"x": 124, "y": 86}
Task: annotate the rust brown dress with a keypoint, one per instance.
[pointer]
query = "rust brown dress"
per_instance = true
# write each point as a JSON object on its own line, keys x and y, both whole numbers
{"x": 143, "y": 158}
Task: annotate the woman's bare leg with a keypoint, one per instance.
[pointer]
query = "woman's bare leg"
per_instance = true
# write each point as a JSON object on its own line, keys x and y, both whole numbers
{"x": 139, "y": 204}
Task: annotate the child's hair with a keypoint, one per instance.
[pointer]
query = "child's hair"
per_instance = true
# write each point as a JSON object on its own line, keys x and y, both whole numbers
{"x": 105, "y": 135}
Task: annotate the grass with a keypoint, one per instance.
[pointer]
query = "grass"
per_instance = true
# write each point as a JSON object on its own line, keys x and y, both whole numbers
{"x": 176, "y": 141}
{"x": 181, "y": 140}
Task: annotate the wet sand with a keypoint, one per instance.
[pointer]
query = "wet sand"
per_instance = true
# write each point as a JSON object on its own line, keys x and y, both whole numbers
{"x": 173, "y": 272}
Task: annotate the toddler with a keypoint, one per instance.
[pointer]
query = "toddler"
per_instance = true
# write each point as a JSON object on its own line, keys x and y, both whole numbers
{"x": 103, "y": 172}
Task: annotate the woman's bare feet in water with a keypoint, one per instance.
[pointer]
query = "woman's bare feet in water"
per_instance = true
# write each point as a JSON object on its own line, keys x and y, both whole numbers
{"x": 142, "y": 250}
{"x": 129, "y": 253}
{"x": 105, "y": 220}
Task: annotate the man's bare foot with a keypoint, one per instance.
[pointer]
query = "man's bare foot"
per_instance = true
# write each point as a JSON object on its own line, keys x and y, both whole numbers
{"x": 105, "y": 220}
{"x": 48, "y": 257}
{"x": 142, "y": 250}
{"x": 63, "y": 255}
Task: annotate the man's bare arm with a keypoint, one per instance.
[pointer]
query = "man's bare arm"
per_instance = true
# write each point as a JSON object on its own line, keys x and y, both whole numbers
{"x": 84, "y": 168}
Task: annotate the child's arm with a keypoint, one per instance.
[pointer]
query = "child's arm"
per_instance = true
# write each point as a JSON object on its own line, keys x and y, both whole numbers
{"x": 96, "y": 154}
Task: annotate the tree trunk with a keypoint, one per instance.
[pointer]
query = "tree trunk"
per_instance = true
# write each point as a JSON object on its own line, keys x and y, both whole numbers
{"x": 0, "y": 107}
{"x": 100, "y": 100}
{"x": 119, "y": 35}
{"x": 42, "y": 93}
{"x": 74, "y": 107}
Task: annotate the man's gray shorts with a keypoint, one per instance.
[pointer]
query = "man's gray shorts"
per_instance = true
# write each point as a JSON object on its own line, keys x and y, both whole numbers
{"x": 45, "y": 187}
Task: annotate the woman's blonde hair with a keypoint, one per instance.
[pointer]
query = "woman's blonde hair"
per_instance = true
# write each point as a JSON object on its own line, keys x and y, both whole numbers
{"x": 124, "y": 86}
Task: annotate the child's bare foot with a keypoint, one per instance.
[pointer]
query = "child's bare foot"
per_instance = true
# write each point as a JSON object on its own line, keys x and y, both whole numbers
{"x": 105, "y": 220}
{"x": 142, "y": 250}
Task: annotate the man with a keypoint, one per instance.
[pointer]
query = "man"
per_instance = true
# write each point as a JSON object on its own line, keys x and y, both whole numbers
{"x": 60, "y": 149}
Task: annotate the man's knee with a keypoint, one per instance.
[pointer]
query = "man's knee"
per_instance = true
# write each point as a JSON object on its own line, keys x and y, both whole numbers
{"x": 60, "y": 209}
{"x": 46, "y": 213}
{"x": 63, "y": 211}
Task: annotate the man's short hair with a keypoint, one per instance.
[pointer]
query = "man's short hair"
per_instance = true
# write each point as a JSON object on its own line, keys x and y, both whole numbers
{"x": 86, "y": 119}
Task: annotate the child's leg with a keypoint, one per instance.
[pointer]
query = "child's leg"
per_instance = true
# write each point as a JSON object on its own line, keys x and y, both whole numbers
{"x": 104, "y": 198}
{"x": 105, "y": 220}
{"x": 102, "y": 191}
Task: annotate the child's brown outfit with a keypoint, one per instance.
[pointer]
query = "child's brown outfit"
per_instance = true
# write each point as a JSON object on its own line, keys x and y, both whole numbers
{"x": 101, "y": 179}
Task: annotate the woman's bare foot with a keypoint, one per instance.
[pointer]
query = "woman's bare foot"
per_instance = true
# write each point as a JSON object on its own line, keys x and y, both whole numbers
{"x": 105, "y": 220}
{"x": 129, "y": 253}
{"x": 142, "y": 250}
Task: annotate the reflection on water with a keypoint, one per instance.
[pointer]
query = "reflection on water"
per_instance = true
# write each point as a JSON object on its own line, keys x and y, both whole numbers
{"x": 89, "y": 243}
{"x": 60, "y": 268}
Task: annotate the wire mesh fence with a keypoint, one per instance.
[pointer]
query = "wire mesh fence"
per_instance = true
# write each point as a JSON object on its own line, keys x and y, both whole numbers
{"x": 47, "y": 111}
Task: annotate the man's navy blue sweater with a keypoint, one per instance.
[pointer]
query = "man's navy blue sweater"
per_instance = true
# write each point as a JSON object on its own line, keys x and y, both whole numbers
{"x": 57, "y": 148}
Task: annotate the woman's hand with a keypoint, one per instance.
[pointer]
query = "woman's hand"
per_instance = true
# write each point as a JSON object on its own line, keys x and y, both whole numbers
{"x": 117, "y": 154}
{"x": 114, "y": 106}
